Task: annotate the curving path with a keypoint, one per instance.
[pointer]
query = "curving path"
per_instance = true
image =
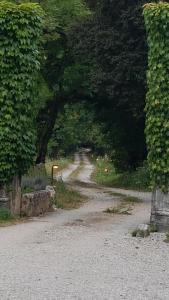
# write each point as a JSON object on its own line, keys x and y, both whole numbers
{"x": 84, "y": 254}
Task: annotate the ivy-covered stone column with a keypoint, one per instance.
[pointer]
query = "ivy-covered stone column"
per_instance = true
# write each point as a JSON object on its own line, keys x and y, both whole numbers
{"x": 157, "y": 108}
{"x": 20, "y": 30}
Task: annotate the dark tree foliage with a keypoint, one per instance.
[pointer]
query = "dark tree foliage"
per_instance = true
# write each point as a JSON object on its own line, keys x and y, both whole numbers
{"x": 114, "y": 40}
{"x": 60, "y": 15}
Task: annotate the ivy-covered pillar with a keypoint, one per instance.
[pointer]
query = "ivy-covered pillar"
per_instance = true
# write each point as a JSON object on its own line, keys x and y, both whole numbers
{"x": 20, "y": 30}
{"x": 157, "y": 108}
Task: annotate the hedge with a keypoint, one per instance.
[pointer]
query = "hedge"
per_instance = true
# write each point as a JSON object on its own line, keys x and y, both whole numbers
{"x": 20, "y": 31}
{"x": 157, "y": 107}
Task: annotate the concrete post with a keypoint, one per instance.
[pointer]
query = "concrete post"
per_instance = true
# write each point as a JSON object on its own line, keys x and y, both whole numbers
{"x": 160, "y": 209}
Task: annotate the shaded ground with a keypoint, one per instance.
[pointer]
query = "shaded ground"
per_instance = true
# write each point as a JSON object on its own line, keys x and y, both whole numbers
{"x": 84, "y": 253}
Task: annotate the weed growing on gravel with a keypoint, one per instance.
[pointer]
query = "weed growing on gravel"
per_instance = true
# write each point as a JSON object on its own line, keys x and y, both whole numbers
{"x": 125, "y": 207}
{"x": 153, "y": 228}
{"x": 167, "y": 238}
{"x": 144, "y": 233}
{"x": 120, "y": 210}
{"x": 140, "y": 233}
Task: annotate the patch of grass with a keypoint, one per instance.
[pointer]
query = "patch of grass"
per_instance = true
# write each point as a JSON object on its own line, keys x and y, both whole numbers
{"x": 153, "y": 228}
{"x": 140, "y": 233}
{"x": 167, "y": 238}
{"x": 66, "y": 197}
{"x": 114, "y": 194}
{"x": 6, "y": 218}
{"x": 5, "y": 215}
{"x": 106, "y": 174}
{"x": 130, "y": 199}
{"x": 100, "y": 175}
{"x": 118, "y": 210}
{"x": 144, "y": 233}
{"x": 121, "y": 209}
{"x": 125, "y": 207}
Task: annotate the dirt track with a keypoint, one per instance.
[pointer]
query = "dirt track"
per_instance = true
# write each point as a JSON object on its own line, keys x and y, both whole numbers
{"x": 84, "y": 253}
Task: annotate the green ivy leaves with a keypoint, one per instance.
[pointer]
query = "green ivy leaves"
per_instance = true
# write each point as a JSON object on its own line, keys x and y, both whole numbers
{"x": 20, "y": 31}
{"x": 157, "y": 108}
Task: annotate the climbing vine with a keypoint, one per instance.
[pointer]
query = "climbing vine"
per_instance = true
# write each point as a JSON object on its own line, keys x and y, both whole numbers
{"x": 157, "y": 107}
{"x": 20, "y": 30}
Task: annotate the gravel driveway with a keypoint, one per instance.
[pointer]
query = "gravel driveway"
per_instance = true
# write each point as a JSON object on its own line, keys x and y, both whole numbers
{"x": 84, "y": 254}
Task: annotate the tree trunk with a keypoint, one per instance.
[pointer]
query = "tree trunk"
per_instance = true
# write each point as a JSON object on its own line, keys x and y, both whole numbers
{"x": 15, "y": 196}
{"x": 46, "y": 122}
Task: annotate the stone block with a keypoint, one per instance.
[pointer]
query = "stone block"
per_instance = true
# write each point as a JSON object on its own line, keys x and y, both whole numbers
{"x": 51, "y": 190}
{"x": 35, "y": 204}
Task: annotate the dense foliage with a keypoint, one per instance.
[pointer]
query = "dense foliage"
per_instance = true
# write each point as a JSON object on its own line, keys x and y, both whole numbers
{"x": 76, "y": 127}
{"x": 157, "y": 108}
{"x": 20, "y": 29}
{"x": 58, "y": 66}
{"x": 96, "y": 57}
{"x": 113, "y": 42}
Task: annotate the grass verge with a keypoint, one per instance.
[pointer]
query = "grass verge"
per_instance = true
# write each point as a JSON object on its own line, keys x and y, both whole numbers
{"x": 40, "y": 175}
{"x": 7, "y": 219}
{"x": 66, "y": 197}
{"x": 105, "y": 174}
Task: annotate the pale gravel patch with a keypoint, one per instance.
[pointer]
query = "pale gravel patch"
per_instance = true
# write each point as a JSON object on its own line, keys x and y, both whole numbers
{"x": 97, "y": 259}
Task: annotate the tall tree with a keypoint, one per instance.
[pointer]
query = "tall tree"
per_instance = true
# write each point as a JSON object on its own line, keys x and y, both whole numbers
{"x": 114, "y": 39}
{"x": 61, "y": 15}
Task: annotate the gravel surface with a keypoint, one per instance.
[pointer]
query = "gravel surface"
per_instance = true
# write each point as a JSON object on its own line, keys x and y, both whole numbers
{"x": 84, "y": 254}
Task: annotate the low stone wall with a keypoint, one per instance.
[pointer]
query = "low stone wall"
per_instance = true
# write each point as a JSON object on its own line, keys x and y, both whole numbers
{"x": 160, "y": 210}
{"x": 31, "y": 204}
{"x": 37, "y": 203}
